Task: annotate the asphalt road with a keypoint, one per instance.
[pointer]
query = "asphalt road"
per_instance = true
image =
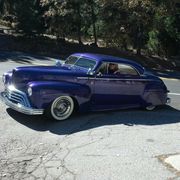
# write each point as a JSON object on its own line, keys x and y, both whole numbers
{"x": 127, "y": 144}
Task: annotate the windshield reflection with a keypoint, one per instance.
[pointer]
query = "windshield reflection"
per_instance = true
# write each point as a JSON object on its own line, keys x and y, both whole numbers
{"x": 81, "y": 62}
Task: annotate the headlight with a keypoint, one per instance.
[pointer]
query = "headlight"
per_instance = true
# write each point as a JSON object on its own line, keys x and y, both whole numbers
{"x": 4, "y": 79}
{"x": 29, "y": 90}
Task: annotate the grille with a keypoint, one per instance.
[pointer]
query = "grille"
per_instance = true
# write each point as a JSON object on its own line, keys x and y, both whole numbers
{"x": 17, "y": 97}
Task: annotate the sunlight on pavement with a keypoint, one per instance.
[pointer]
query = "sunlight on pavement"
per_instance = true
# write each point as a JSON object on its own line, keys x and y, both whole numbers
{"x": 174, "y": 161}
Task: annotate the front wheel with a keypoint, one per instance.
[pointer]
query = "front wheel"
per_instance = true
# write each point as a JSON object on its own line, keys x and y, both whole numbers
{"x": 61, "y": 108}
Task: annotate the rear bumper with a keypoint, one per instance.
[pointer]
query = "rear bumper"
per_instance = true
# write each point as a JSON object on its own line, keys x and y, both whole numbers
{"x": 168, "y": 100}
{"x": 20, "y": 108}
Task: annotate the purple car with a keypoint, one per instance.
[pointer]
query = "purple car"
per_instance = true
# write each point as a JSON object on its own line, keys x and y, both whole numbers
{"x": 84, "y": 82}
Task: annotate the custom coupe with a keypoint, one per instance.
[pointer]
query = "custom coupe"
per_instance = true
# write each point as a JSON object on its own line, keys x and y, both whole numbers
{"x": 84, "y": 82}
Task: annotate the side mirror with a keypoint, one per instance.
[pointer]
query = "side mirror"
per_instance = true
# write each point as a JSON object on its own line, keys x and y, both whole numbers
{"x": 99, "y": 74}
{"x": 143, "y": 75}
{"x": 91, "y": 72}
{"x": 58, "y": 63}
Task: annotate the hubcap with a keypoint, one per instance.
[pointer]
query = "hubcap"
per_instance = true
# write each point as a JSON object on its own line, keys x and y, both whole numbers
{"x": 62, "y": 107}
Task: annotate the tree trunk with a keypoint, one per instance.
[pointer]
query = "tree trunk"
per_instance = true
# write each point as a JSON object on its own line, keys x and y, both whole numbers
{"x": 93, "y": 22}
{"x": 139, "y": 40}
{"x": 79, "y": 24}
{"x": 138, "y": 51}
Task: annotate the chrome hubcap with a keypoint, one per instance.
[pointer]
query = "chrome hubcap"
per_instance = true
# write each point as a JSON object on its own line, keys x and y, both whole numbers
{"x": 62, "y": 107}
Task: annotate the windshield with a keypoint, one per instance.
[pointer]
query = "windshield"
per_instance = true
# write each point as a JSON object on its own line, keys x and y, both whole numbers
{"x": 81, "y": 62}
{"x": 71, "y": 60}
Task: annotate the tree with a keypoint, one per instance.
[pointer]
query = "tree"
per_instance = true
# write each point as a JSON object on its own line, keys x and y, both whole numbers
{"x": 166, "y": 25}
{"x": 65, "y": 19}
{"x": 29, "y": 14}
{"x": 140, "y": 20}
{"x": 93, "y": 17}
{"x": 151, "y": 25}
{"x": 114, "y": 18}
{"x": 7, "y": 7}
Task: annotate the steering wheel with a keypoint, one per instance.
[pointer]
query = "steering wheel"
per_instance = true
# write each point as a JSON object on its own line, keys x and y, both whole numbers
{"x": 117, "y": 72}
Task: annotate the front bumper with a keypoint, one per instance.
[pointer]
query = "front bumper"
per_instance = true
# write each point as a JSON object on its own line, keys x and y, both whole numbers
{"x": 19, "y": 107}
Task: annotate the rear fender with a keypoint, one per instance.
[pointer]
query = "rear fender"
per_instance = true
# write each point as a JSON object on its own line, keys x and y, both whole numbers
{"x": 155, "y": 93}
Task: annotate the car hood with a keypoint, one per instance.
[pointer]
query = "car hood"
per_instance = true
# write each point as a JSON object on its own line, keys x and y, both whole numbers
{"x": 22, "y": 75}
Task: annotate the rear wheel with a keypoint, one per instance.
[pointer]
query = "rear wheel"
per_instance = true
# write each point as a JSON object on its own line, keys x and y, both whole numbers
{"x": 61, "y": 108}
{"x": 150, "y": 108}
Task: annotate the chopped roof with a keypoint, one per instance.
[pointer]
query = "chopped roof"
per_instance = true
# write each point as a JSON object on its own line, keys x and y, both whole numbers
{"x": 102, "y": 57}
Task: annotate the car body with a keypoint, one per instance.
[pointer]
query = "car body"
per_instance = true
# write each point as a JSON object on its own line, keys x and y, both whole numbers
{"x": 82, "y": 82}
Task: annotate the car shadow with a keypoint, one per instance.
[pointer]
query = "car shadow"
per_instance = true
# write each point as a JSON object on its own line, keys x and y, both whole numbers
{"x": 168, "y": 75}
{"x": 83, "y": 122}
{"x": 22, "y": 58}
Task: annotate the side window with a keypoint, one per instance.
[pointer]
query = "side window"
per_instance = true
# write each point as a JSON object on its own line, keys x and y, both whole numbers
{"x": 108, "y": 68}
{"x": 103, "y": 69}
{"x": 117, "y": 69}
{"x": 113, "y": 68}
{"x": 127, "y": 70}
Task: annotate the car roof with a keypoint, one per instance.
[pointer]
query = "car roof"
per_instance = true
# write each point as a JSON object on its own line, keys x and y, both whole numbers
{"x": 107, "y": 58}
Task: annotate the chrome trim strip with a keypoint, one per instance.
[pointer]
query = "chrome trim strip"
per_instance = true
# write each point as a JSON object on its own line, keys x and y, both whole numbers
{"x": 175, "y": 94}
{"x": 122, "y": 79}
{"x": 17, "y": 95}
{"x": 19, "y": 107}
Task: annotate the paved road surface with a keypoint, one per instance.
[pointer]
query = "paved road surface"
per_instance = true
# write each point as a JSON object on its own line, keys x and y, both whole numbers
{"x": 126, "y": 144}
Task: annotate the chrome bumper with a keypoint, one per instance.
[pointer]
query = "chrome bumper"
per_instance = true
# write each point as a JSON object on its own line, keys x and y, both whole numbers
{"x": 19, "y": 107}
{"x": 168, "y": 101}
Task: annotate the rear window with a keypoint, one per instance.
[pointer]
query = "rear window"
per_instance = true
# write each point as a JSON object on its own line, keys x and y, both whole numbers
{"x": 127, "y": 70}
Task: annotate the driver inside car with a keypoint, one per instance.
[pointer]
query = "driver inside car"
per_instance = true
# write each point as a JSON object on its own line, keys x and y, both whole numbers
{"x": 113, "y": 68}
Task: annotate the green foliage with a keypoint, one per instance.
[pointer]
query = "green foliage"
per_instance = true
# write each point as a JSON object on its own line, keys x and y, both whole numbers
{"x": 167, "y": 23}
{"x": 30, "y": 17}
{"x": 149, "y": 25}
{"x": 153, "y": 42}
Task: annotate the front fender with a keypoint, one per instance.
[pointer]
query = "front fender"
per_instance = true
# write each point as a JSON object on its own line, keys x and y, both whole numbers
{"x": 43, "y": 93}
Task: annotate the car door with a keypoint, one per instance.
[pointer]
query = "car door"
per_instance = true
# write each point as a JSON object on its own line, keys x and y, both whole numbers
{"x": 120, "y": 90}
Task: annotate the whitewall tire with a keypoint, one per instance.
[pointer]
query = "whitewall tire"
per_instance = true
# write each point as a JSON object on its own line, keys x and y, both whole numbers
{"x": 62, "y": 108}
{"x": 150, "y": 108}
